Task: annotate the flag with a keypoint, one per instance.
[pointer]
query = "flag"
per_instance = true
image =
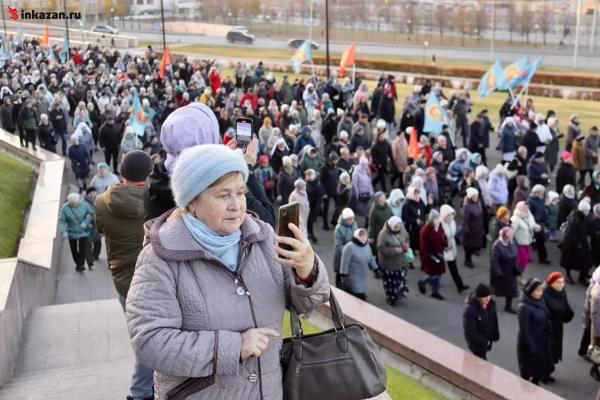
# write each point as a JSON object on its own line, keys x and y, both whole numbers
{"x": 413, "y": 144}
{"x": 435, "y": 115}
{"x": 139, "y": 118}
{"x": 515, "y": 73}
{"x": 531, "y": 69}
{"x": 166, "y": 60}
{"x": 304, "y": 53}
{"x": 45, "y": 39}
{"x": 51, "y": 57}
{"x": 491, "y": 80}
{"x": 64, "y": 55}
{"x": 348, "y": 58}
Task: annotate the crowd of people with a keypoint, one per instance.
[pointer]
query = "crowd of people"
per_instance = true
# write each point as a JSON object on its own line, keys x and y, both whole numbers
{"x": 343, "y": 154}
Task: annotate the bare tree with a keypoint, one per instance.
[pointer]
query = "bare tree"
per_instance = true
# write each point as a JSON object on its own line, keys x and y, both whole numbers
{"x": 545, "y": 18}
{"x": 512, "y": 18}
{"x": 481, "y": 19}
{"x": 525, "y": 22}
{"x": 411, "y": 17}
{"x": 463, "y": 21}
{"x": 442, "y": 17}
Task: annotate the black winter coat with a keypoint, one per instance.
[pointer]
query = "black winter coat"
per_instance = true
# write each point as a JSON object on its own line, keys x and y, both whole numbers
{"x": 59, "y": 120}
{"x": 476, "y": 139}
{"x": 503, "y": 273}
{"x": 565, "y": 175}
{"x": 159, "y": 197}
{"x": 560, "y": 313}
{"x": 594, "y": 234}
{"x": 381, "y": 152}
{"x": 330, "y": 176}
{"x": 6, "y": 116}
{"x": 285, "y": 185}
{"x": 533, "y": 343}
{"x": 575, "y": 249}
{"x": 480, "y": 326}
{"x": 565, "y": 207}
{"x": 413, "y": 215}
{"x": 110, "y": 138}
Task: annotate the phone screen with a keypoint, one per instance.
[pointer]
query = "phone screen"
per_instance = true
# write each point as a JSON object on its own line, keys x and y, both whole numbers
{"x": 243, "y": 132}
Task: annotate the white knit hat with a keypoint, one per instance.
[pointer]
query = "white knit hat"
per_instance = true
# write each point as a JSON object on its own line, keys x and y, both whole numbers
{"x": 347, "y": 213}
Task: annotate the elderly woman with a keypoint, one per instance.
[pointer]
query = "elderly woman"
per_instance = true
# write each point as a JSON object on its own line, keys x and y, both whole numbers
{"x": 575, "y": 249}
{"x": 75, "y": 224}
{"x": 356, "y": 260}
{"x": 432, "y": 245}
{"x": 473, "y": 225}
{"x": 555, "y": 297}
{"x": 533, "y": 343}
{"x": 592, "y": 318}
{"x": 393, "y": 254}
{"x": 343, "y": 232}
{"x": 447, "y": 215}
{"x": 361, "y": 180}
{"x": 566, "y": 204}
{"x": 502, "y": 220}
{"x": 299, "y": 195}
{"x": 503, "y": 268}
{"x": 524, "y": 226}
{"x": 130, "y": 141}
{"x": 80, "y": 162}
{"x": 212, "y": 283}
{"x": 46, "y": 134}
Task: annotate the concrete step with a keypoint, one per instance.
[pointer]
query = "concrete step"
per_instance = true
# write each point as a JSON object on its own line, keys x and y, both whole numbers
{"x": 73, "y": 351}
{"x": 107, "y": 380}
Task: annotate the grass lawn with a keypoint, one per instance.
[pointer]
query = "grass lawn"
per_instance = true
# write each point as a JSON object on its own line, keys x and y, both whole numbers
{"x": 15, "y": 178}
{"x": 399, "y": 386}
{"x": 251, "y": 51}
{"x": 588, "y": 111}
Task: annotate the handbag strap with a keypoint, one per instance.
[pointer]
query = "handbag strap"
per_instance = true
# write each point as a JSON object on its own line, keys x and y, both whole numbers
{"x": 336, "y": 315}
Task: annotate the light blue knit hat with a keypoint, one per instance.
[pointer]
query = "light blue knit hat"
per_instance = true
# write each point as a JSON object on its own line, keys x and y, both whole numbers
{"x": 200, "y": 166}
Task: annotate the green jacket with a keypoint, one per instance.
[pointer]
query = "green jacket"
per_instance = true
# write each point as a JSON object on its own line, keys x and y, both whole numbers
{"x": 70, "y": 219}
{"x": 120, "y": 216}
{"x": 311, "y": 163}
{"x": 378, "y": 216}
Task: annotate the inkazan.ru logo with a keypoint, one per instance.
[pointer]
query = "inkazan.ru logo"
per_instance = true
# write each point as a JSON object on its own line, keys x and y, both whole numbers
{"x": 16, "y": 15}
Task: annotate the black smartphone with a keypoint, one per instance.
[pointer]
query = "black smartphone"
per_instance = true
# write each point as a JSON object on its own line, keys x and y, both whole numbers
{"x": 243, "y": 132}
{"x": 290, "y": 213}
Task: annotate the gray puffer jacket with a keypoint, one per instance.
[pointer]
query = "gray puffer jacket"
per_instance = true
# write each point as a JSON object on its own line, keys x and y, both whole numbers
{"x": 186, "y": 310}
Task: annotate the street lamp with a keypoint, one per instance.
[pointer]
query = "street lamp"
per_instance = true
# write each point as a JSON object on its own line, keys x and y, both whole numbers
{"x": 425, "y": 44}
{"x": 269, "y": 25}
{"x": 229, "y": 15}
{"x": 409, "y": 22}
{"x": 112, "y": 16}
{"x": 3, "y": 18}
{"x": 536, "y": 28}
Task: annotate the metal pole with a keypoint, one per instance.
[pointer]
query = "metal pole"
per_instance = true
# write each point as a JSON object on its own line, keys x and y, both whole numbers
{"x": 310, "y": 23}
{"x": 592, "y": 37}
{"x": 493, "y": 30}
{"x": 327, "y": 34}
{"x": 162, "y": 19}
{"x": 3, "y": 18}
{"x": 68, "y": 49}
{"x": 577, "y": 28}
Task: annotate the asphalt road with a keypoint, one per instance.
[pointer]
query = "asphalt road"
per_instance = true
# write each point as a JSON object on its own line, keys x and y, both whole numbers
{"x": 552, "y": 56}
{"x": 444, "y": 318}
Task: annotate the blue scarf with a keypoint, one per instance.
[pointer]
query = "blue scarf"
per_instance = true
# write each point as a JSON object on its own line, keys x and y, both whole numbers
{"x": 226, "y": 248}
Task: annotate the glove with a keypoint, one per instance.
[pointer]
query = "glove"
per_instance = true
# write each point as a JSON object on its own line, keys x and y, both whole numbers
{"x": 83, "y": 225}
{"x": 65, "y": 235}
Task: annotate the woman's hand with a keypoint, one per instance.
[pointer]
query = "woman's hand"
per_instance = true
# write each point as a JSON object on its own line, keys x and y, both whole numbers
{"x": 255, "y": 341}
{"x": 301, "y": 257}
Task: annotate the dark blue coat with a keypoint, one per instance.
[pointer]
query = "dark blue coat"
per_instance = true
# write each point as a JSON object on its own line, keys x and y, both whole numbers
{"x": 80, "y": 160}
{"x": 508, "y": 139}
{"x": 536, "y": 170}
{"x": 480, "y": 326}
{"x": 538, "y": 210}
{"x": 302, "y": 141}
{"x": 533, "y": 343}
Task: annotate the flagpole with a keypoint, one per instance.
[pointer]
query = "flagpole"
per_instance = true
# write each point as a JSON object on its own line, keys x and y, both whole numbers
{"x": 3, "y": 17}
{"x": 67, "y": 50}
{"x": 594, "y": 20}
{"x": 493, "y": 30}
{"x": 353, "y": 76}
{"x": 162, "y": 20}
{"x": 577, "y": 29}
{"x": 327, "y": 34}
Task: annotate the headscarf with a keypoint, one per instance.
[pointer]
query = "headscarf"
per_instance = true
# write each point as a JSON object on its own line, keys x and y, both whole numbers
{"x": 569, "y": 191}
{"x": 503, "y": 234}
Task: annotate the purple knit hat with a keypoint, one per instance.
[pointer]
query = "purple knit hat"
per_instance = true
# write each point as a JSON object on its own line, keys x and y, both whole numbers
{"x": 188, "y": 126}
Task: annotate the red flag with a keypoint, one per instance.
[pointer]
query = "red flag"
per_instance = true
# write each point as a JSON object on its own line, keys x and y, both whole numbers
{"x": 45, "y": 39}
{"x": 348, "y": 58}
{"x": 413, "y": 144}
{"x": 166, "y": 60}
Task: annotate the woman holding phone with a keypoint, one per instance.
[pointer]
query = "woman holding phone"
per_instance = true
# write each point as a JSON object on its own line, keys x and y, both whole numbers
{"x": 212, "y": 283}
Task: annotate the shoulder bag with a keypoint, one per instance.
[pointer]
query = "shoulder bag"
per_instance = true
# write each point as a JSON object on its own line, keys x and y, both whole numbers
{"x": 342, "y": 363}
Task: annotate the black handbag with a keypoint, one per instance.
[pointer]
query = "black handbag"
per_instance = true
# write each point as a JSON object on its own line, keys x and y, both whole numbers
{"x": 342, "y": 363}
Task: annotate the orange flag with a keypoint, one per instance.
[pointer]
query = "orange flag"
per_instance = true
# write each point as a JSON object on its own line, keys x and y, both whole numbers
{"x": 166, "y": 60}
{"x": 348, "y": 58}
{"x": 45, "y": 39}
{"x": 413, "y": 144}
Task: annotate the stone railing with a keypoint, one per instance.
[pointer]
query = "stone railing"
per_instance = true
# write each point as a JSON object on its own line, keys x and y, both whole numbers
{"x": 446, "y": 368}
{"x": 28, "y": 280}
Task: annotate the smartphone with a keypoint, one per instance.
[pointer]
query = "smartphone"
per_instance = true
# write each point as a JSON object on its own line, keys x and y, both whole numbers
{"x": 243, "y": 132}
{"x": 290, "y": 213}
